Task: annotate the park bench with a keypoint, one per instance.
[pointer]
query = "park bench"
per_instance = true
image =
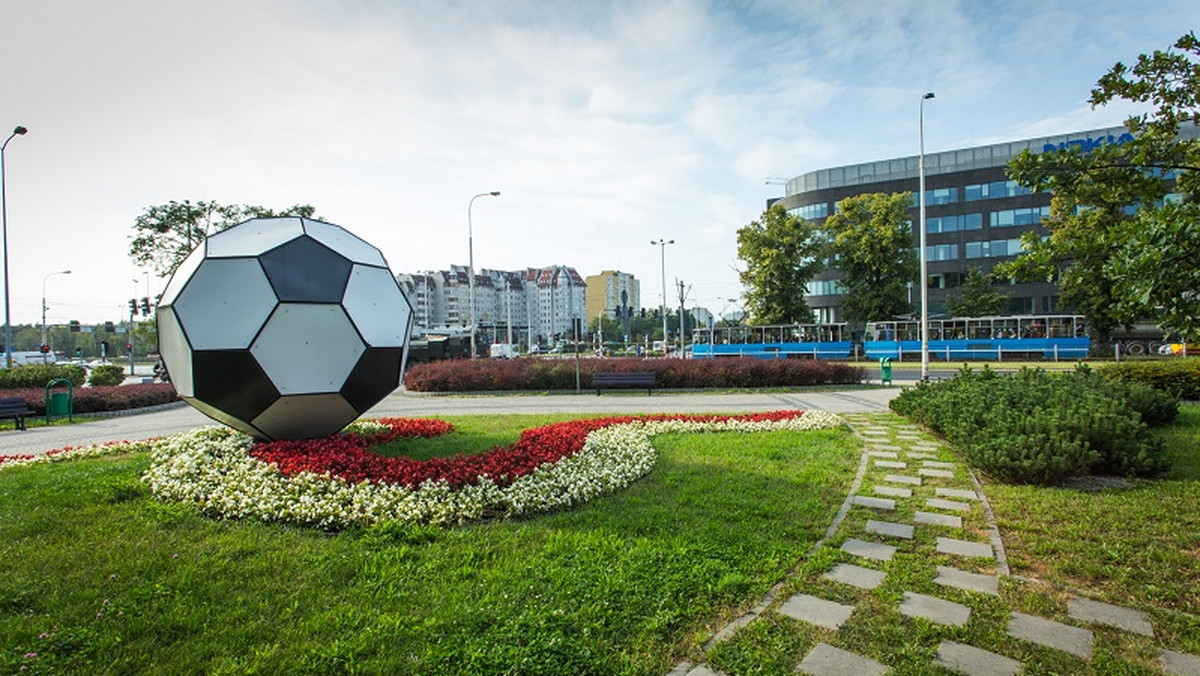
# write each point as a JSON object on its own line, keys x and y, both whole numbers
{"x": 17, "y": 409}
{"x": 644, "y": 379}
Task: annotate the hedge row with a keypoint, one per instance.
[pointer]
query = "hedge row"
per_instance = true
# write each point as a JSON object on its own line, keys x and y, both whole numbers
{"x": 1041, "y": 428}
{"x": 1179, "y": 377}
{"x": 37, "y": 375}
{"x": 481, "y": 375}
{"x": 101, "y": 398}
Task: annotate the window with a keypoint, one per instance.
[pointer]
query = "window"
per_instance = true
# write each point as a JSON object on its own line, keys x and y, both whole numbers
{"x": 941, "y": 252}
{"x": 996, "y": 248}
{"x": 824, "y": 287}
{"x": 811, "y": 211}
{"x": 993, "y": 190}
{"x": 1016, "y": 217}
{"x": 938, "y": 224}
{"x": 937, "y": 196}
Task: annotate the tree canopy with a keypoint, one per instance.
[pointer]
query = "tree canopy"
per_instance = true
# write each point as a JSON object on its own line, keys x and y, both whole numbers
{"x": 165, "y": 234}
{"x": 1124, "y": 218}
{"x": 781, "y": 253}
{"x": 872, "y": 242}
{"x": 977, "y": 297}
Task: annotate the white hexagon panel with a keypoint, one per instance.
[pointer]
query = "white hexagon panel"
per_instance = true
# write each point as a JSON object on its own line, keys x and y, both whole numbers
{"x": 284, "y": 328}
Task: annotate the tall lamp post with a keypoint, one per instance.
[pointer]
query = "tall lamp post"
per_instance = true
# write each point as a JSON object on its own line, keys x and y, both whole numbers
{"x": 471, "y": 264}
{"x": 18, "y": 131}
{"x": 662, "y": 245}
{"x": 924, "y": 256}
{"x": 60, "y": 272}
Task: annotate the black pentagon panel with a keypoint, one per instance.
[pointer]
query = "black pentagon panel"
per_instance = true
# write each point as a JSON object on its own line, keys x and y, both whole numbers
{"x": 232, "y": 381}
{"x": 306, "y": 271}
{"x": 228, "y": 420}
{"x": 375, "y": 376}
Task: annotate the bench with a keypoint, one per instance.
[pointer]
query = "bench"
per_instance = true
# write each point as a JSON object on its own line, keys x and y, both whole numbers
{"x": 17, "y": 409}
{"x": 644, "y": 379}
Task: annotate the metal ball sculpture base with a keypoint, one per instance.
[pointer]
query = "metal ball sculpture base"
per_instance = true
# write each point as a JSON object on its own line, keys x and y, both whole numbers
{"x": 284, "y": 328}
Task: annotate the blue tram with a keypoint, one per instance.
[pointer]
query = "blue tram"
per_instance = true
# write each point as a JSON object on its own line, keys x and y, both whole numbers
{"x": 992, "y": 338}
{"x": 951, "y": 339}
{"x": 787, "y": 341}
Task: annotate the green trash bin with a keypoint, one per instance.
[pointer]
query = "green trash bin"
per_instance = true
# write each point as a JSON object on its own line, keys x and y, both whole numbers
{"x": 885, "y": 370}
{"x": 60, "y": 403}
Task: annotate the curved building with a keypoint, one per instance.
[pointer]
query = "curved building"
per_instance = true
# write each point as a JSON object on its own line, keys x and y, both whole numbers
{"x": 974, "y": 214}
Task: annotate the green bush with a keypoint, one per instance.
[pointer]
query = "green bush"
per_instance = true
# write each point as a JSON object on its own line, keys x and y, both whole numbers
{"x": 108, "y": 374}
{"x": 38, "y": 375}
{"x": 1178, "y": 377}
{"x": 97, "y": 399}
{"x": 1037, "y": 427}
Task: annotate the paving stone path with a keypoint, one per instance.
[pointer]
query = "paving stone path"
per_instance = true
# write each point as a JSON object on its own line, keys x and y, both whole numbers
{"x": 909, "y": 485}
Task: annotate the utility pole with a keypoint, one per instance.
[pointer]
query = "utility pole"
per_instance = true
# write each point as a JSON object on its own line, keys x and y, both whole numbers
{"x": 682, "y": 295}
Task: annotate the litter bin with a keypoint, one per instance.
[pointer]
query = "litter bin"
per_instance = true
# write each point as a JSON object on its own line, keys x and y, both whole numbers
{"x": 885, "y": 370}
{"x": 60, "y": 403}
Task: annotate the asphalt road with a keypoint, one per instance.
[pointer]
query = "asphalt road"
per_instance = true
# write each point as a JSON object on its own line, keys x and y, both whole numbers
{"x": 182, "y": 418}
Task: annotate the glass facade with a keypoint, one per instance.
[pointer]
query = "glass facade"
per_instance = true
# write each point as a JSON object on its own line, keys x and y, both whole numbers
{"x": 941, "y": 252}
{"x": 1018, "y": 217}
{"x": 938, "y": 224}
{"x": 996, "y": 248}
{"x": 811, "y": 211}
{"x": 993, "y": 190}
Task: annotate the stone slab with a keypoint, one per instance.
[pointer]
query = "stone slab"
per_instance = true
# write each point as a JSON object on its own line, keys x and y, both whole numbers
{"x": 874, "y": 433}
{"x": 826, "y": 660}
{"x": 894, "y": 492}
{"x": 974, "y": 661}
{"x": 855, "y": 576}
{"x": 869, "y": 550}
{"x": 896, "y": 530}
{"x": 956, "y": 493}
{"x": 1180, "y": 664}
{"x": 1127, "y": 619}
{"x": 886, "y": 455}
{"x": 702, "y": 670}
{"x": 939, "y": 465}
{"x": 938, "y": 473}
{"x": 964, "y": 548}
{"x": 934, "y": 609}
{"x": 920, "y": 456}
{"x": 886, "y": 447}
{"x": 961, "y": 579}
{"x": 877, "y": 503}
{"x": 925, "y": 447}
{"x": 903, "y": 479}
{"x": 891, "y": 464}
{"x": 931, "y": 519}
{"x": 1051, "y": 634}
{"x": 938, "y": 503}
{"x": 818, "y": 611}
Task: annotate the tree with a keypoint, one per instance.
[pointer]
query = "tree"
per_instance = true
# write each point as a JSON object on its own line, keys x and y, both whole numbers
{"x": 977, "y": 298}
{"x": 165, "y": 234}
{"x": 781, "y": 253}
{"x": 872, "y": 242}
{"x": 1124, "y": 249}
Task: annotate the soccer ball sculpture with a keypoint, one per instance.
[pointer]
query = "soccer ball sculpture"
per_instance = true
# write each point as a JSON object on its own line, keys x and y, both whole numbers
{"x": 284, "y": 328}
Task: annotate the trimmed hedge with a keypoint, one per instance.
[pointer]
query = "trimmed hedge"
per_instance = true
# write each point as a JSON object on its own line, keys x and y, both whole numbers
{"x": 1179, "y": 377}
{"x": 489, "y": 375}
{"x": 1040, "y": 428}
{"x": 38, "y": 375}
{"x": 97, "y": 399}
{"x": 108, "y": 374}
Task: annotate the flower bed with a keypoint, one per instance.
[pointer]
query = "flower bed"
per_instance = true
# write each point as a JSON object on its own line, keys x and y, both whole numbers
{"x": 548, "y": 468}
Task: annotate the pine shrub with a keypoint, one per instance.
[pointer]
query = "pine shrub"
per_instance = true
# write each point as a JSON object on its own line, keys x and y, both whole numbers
{"x": 1175, "y": 376}
{"x": 1040, "y": 428}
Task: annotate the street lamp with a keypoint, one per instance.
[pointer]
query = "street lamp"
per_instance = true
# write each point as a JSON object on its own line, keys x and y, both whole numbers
{"x": 662, "y": 245}
{"x": 924, "y": 256}
{"x": 60, "y": 272}
{"x": 471, "y": 264}
{"x": 18, "y": 131}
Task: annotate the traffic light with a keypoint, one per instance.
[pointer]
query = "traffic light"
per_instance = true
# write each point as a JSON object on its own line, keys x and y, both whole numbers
{"x": 108, "y": 326}
{"x": 78, "y": 352}
{"x": 45, "y": 349}
{"x": 73, "y": 325}
{"x": 132, "y": 306}
{"x": 145, "y": 306}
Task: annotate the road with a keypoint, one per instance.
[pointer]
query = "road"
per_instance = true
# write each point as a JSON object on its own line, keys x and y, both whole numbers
{"x": 182, "y": 418}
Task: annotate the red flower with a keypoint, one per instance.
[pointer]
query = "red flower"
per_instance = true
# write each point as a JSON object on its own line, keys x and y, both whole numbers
{"x": 349, "y": 456}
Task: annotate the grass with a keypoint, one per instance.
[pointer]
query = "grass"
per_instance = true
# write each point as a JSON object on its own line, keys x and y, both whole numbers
{"x": 101, "y": 578}
{"x": 1137, "y": 546}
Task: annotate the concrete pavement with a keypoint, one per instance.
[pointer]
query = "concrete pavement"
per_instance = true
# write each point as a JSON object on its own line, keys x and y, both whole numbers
{"x": 182, "y": 418}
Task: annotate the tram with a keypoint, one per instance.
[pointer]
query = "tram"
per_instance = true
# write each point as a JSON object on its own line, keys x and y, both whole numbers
{"x": 782, "y": 341}
{"x": 951, "y": 339}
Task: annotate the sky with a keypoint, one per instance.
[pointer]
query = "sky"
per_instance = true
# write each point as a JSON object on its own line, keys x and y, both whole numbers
{"x": 604, "y": 124}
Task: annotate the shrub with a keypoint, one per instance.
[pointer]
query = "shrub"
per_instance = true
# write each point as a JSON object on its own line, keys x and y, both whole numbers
{"x": 108, "y": 374}
{"x": 1178, "y": 377}
{"x": 464, "y": 375}
{"x": 1037, "y": 427}
{"x": 97, "y": 399}
{"x": 38, "y": 375}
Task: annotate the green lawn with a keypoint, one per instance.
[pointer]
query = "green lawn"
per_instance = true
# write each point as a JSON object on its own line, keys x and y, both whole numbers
{"x": 101, "y": 578}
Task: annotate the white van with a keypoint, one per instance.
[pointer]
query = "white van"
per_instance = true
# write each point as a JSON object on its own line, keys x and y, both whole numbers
{"x": 30, "y": 357}
{"x": 502, "y": 351}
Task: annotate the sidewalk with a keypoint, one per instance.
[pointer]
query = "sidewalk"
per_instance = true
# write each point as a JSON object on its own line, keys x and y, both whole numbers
{"x": 183, "y": 418}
